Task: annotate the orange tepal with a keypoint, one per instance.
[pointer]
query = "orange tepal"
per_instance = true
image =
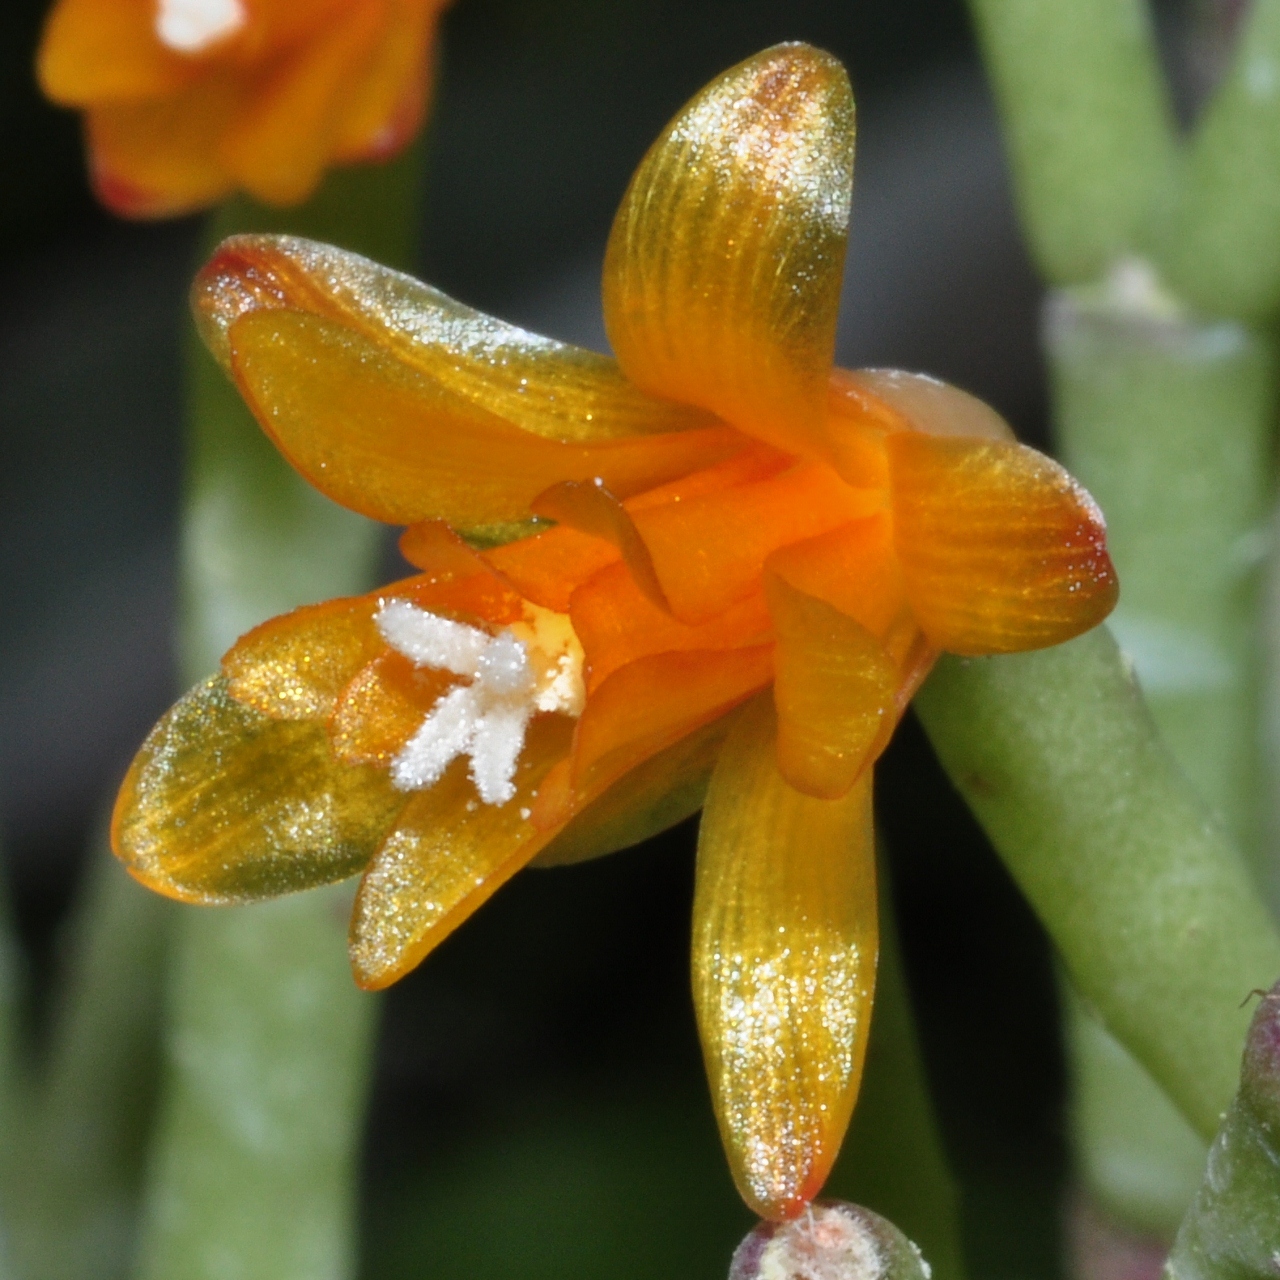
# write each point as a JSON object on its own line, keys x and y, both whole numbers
{"x": 187, "y": 101}
{"x": 754, "y": 561}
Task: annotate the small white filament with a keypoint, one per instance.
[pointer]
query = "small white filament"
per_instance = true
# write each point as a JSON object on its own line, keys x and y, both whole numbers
{"x": 191, "y": 26}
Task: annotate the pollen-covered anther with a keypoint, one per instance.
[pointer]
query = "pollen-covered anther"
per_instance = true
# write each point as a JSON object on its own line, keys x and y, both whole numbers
{"x": 191, "y": 26}
{"x": 532, "y": 666}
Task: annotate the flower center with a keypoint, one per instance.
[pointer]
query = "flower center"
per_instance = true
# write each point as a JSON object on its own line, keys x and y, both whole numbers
{"x": 191, "y": 26}
{"x": 533, "y": 665}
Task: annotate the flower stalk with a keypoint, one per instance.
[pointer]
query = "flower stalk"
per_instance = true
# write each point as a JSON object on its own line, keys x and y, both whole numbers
{"x": 268, "y": 1047}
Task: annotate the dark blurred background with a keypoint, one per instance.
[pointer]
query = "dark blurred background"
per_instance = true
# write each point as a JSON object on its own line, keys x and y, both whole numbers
{"x": 539, "y": 1108}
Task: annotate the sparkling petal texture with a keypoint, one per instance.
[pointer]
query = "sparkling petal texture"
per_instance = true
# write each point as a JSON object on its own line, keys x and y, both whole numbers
{"x": 784, "y": 957}
{"x": 722, "y": 275}
{"x": 539, "y": 385}
{"x": 223, "y": 804}
{"x": 833, "y": 688}
{"x": 1001, "y": 550}
{"x": 295, "y": 666}
{"x": 446, "y": 856}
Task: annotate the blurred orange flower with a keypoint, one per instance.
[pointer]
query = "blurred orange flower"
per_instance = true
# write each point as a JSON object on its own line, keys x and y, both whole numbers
{"x": 755, "y": 561}
{"x": 187, "y": 101}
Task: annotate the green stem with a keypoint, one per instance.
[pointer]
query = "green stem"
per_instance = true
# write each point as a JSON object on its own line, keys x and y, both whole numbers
{"x": 893, "y": 1159}
{"x": 253, "y": 1168}
{"x": 1147, "y": 899}
{"x": 1220, "y": 240}
{"x": 86, "y": 1133}
{"x": 1165, "y": 418}
{"x": 1087, "y": 124}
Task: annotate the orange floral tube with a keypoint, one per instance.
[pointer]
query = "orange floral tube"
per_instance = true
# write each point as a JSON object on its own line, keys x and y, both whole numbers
{"x": 188, "y": 101}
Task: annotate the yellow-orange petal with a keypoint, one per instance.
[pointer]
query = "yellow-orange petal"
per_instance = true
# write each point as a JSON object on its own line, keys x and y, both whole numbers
{"x": 383, "y": 111}
{"x": 854, "y": 568}
{"x": 472, "y": 361}
{"x": 548, "y": 567}
{"x": 223, "y": 804}
{"x": 664, "y": 790}
{"x": 382, "y": 707}
{"x": 616, "y": 623}
{"x": 722, "y": 276}
{"x": 833, "y": 687}
{"x": 456, "y": 580}
{"x": 654, "y": 702}
{"x": 279, "y": 144}
{"x": 294, "y": 667}
{"x": 377, "y": 435}
{"x": 1001, "y": 550}
{"x": 708, "y": 552}
{"x": 446, "y": 856}
{"x": 591, "y": 509}
{"x": 784, "y": 959}
{"x": 159, "y": 158}
{"x": 95, "y": 52}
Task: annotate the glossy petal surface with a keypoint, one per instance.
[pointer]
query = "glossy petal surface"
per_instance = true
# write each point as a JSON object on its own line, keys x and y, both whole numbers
{"x": 833, "y": 687}
{"x": 722, "y": 277}
{"x": 379, "y": 436}
{"x": 382, "y": 708}
{"x": 784, "y": 958}
{"x": 295, "y": 666}
{"x": 446, "y": 856}
{"x": 541, "y": 386}
{"x": 1001, "y": 550}
{"x": 223, "y": 804}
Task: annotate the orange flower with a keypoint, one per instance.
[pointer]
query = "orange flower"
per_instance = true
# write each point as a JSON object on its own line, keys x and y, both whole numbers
{"x": 187, "y": 101}
{"x": 756, "y": 559}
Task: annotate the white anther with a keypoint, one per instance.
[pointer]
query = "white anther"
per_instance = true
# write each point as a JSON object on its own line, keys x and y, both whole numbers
{"x": 191, "y": 26}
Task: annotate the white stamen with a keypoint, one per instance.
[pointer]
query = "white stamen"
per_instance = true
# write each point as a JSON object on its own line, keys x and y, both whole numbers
{"x": 534, "y": 665}
{"x": 496, "y": 749}
{"x": 191, "y": 26}
{"x": 448, "y": 732}
{"x": 504, "y": 667}
{"x": 431, "y": 641}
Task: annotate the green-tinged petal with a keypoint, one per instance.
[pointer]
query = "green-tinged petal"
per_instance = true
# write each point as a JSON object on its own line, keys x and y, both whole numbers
{"x": 536, "y": 384}
{"x": 223, "y": 804}
{"x": 448, "y": 854}
{"x": 722, "y": 278}
{"x": 784, "y": 959}
{"x": 665, "y": 790}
